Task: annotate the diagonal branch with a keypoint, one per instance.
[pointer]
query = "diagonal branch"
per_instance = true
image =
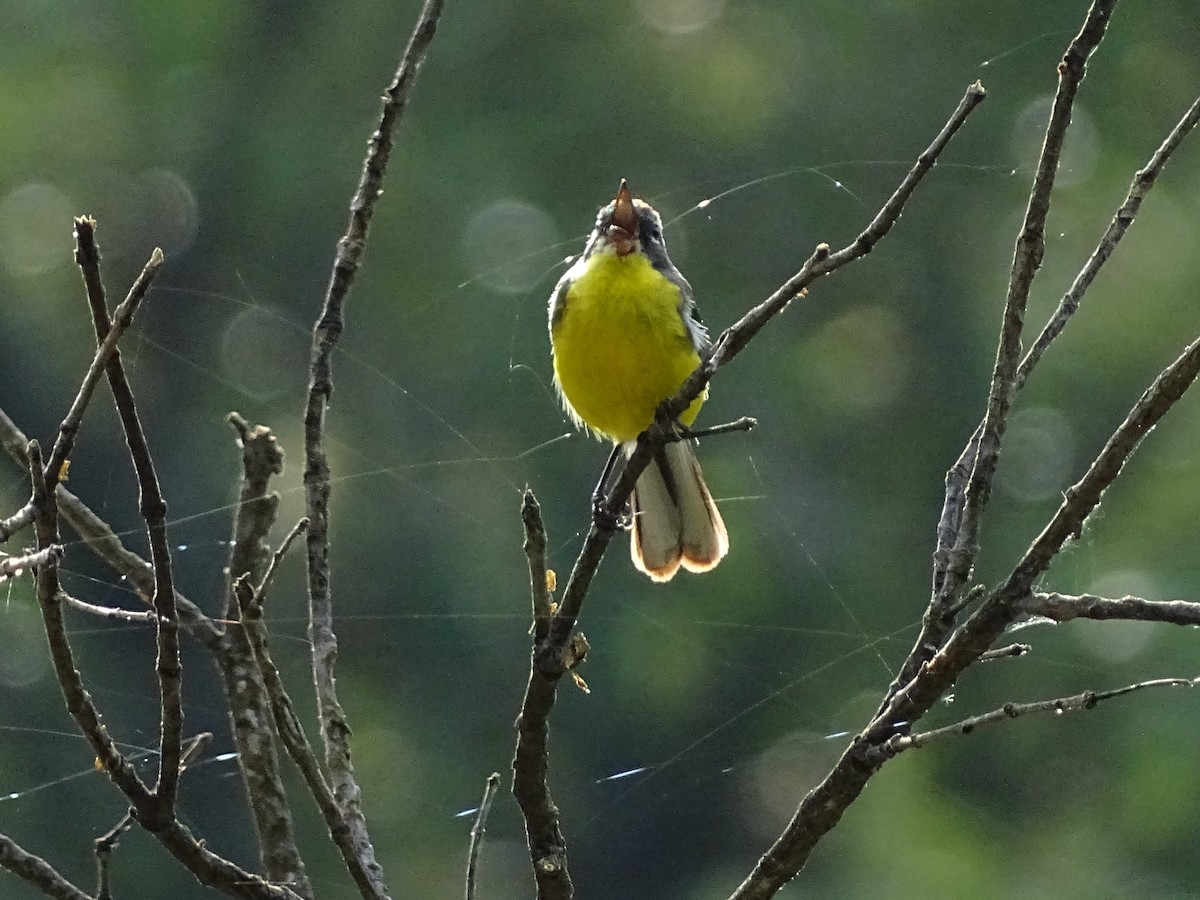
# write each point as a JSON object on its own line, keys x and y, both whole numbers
{"x": 122, "y": 319}
{"x": 1143, "y": 181}
{"x": 37, "y": 871}
{"x": 22, "y": 518}
{"x": 326, "y": 333}
{"x": 104, "y": 845}
{"x": 359, "y": 862}
{"x": 154, "y": 510}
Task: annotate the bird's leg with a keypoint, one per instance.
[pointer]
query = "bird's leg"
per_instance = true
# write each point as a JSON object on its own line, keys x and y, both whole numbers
{"x": 602, "y": 514}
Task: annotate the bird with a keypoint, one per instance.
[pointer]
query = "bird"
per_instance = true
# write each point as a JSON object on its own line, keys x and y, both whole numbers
{"x": 624, "y": 336}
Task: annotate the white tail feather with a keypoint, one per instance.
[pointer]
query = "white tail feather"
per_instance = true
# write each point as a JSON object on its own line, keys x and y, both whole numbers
{"x": 675, "y": 521}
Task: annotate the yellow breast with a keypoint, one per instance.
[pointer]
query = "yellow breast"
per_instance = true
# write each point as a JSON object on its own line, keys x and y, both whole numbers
{"x": 620, "y": 345}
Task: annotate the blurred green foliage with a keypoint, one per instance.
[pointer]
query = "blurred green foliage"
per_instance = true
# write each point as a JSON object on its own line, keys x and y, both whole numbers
{"x": 231, "y": 134}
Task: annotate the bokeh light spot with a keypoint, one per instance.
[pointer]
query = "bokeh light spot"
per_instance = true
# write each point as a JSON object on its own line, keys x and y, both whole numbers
{"x": 23, "y": 662}
{"x": 1039, "y": 450}
{"x": 1117, "y": 642}
{"x": 498, "y": 245}
{"x": 861, "y": 360}
{"x": 255, "y": 358}
{"x": 679, "y": 16}
{"x": 35, "y": 229}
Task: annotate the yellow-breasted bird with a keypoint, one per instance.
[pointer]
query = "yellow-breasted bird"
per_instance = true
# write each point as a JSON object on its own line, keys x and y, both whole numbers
{"x": 625, "y": 336}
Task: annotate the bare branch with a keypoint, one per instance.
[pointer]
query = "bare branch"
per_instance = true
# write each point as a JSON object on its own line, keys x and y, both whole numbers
{"x": 245, "y": 693}
{"x": 262, "y": 458}
{"x": 1007, "y": 652}
{"x": 326, "y": 333}
{"x": 531, "y": 761}
{"x": 110, "y": 612}
{"x": 547, "y": 849}
{"x": 298, "y": 529}
{"x": 1074, "y": 703}
{"x": 957, "y": 559}
{"x": 1082, "y": 498}
{"x": 37, "y": 871}
{"x": 360, "y": 863}
{"x": 22, "y": 518}
{"x": 78, "y": 700}
{"x": 123, "y": 318}
{"x": 1143, "y": 181}
{"x": 152, "y": 505}
{"x": 535, "y": 551}
{"x": 107, "y": 842}
{"x": 477, "y": 831}
{"x": 14, "y": 565}
{"x": 940, "y": 616}
{"x": 98, "y": 537}
{"x": 1064, "y": 608}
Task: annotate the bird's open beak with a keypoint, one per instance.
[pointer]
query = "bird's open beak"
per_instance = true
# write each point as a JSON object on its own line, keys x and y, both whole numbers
{"x": 622, "y": 229}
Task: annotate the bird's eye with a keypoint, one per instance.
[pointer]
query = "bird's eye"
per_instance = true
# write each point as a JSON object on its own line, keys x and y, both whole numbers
{"x": 652, "y": 232}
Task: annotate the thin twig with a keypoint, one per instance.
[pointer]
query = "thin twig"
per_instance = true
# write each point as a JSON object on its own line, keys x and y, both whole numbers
{"x": 1065, "y": 607}
{"x": 246, "y": 695}
{"x": 153, "y": 509}
{"x": 326, "y": 332}
{"x": 531, "y": 760}
{"x": 110, "y": 612}
{"x": 535, "y": 553}
{"x": 78, "y": 700}
{"x": 22, "y": 518}
{"x": 1143, "y": 181}
{"x": 1006, "y": 652}
{"x": 37, "y": 871}
{"x": 14, "y": 565}
{"x": 1074, "y": 703}
{"x": 745, "y": 423}
{"x": 291, "y": 732}
{"x": 107, "y": 842}
{"x": 477, "y": 831}
{"x": 298, "y": 529}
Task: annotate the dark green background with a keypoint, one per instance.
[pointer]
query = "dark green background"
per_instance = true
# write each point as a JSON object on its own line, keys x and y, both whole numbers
{"x": 232, "y": 134}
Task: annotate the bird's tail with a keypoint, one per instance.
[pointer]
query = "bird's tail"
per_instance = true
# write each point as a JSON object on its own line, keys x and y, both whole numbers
{"x": 675, "y": 521}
